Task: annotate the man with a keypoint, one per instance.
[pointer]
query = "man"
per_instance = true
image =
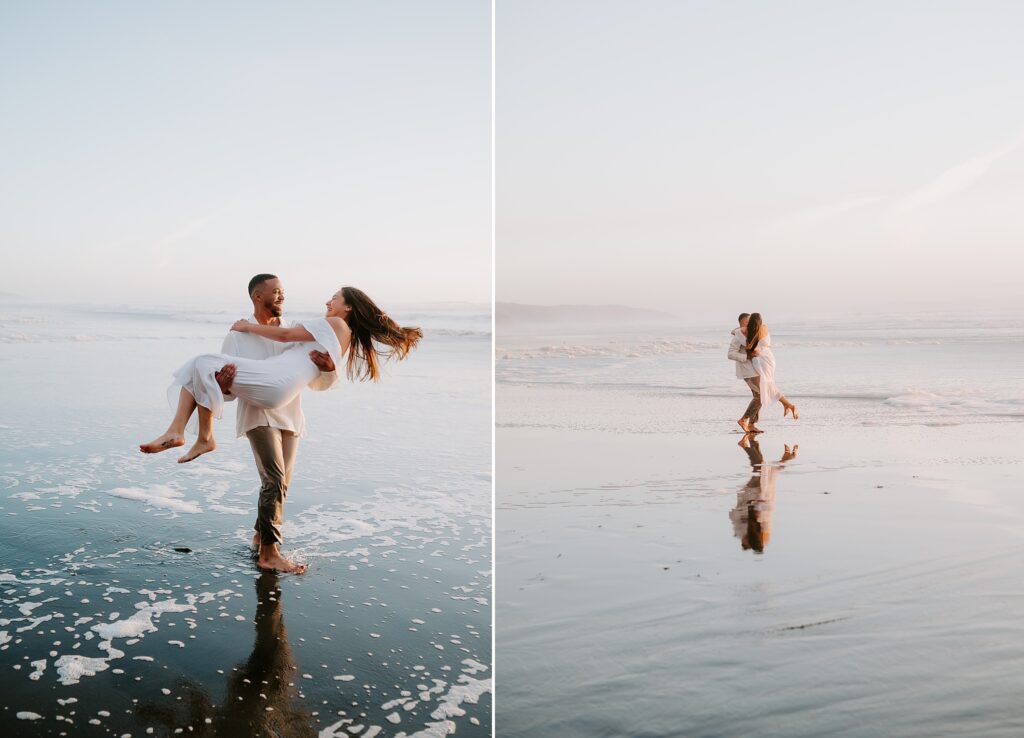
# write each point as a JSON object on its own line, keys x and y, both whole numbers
{"x": 745, "y": 371}
{"x": 273, "y": 434}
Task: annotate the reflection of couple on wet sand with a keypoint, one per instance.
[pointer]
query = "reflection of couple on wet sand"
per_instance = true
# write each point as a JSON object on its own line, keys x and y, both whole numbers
{"x": 260, "y": 699}
{"x": 755, "y": 502}
{"x": 265, "y": 364}
{"x": 751, "y": 349}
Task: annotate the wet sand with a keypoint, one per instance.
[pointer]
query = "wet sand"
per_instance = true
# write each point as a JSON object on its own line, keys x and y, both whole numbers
{"x": 131, "y": 603}
{"x": 676, "y": 584}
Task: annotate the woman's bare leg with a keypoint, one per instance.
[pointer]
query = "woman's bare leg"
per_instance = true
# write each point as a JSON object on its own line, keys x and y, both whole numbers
{"x": 205, "y": 443}
{"x": 175, "y": 434}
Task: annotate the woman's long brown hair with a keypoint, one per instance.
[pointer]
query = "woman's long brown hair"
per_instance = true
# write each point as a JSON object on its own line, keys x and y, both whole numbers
{"x": 755, "y": 332}
{"x": 370, "y": 324}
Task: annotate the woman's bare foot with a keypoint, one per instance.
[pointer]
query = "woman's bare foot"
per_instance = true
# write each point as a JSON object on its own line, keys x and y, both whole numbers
{"x": 164, "y": 442}
{"x": 199, "y": 448}
{"x": 272, "y": 560}
{"x": 256, "y": 540}
{"x": 796, "y": 415}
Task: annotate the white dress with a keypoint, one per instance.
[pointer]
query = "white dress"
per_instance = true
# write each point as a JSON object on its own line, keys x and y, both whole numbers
{"x": 764, "y": 365}
{"x": 266, "y": 383}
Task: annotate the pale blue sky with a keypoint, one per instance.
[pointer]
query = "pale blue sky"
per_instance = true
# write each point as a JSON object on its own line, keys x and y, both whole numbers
{"x": 700, "y": 157}
{"x": 165, "y": 151}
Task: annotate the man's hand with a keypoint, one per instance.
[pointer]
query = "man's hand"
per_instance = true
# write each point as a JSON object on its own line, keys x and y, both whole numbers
{"x": 323, "y": 361}
{"x": 225, "y": 377}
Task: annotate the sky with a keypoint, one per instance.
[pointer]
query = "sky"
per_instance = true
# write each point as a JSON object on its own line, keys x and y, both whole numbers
{"x": 166, "y": 152}
{"x": 787, "y": 157}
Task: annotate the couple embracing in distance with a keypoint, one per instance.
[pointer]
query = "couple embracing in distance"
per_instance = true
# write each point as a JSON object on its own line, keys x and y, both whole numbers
{"x": 751, "y": 350}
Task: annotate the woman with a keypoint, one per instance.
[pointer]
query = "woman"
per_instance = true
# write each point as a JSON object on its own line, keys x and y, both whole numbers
{"x": 351, "y": 327}
{"x": 759, "y": 351}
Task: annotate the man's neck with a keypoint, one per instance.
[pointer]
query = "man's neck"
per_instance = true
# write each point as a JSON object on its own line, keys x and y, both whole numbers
{"x": 265, "y": 317}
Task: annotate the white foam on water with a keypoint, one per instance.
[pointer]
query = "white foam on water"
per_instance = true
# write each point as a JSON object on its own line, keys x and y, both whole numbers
{"x": 26, "y": 608}
{"x": 468, "y": 691}
{"x": 157, "y": 495}
{"x": 132, "y": 627}
{"x": 25, "y": 715}
{"x": 72, "y": 668}
{"x": 230, "y": 510}
{"x": 334, "y": 731}
{"x": 40, "y": 667}
{"x": 35, "y": 623}
{"x": 473, "y": 666}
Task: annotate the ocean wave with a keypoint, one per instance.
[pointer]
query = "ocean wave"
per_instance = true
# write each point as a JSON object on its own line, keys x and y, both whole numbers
{"x": 92, "y": 338}
{"x": 33, "y": 338}
{"x": 967, "y": 402}
{"x": 457, "y": 332}
{"x": 643, "y": 349}
{"x": 669, "y": 347}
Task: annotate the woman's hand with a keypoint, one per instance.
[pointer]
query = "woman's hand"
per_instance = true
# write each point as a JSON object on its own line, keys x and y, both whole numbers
{"x": 242, "y": 326}
{"x": 752, "y": 354}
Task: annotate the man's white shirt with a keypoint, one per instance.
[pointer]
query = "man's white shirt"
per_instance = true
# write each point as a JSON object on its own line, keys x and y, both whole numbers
{"x": 744, "y": 367}
{"x": 288, "y": 417}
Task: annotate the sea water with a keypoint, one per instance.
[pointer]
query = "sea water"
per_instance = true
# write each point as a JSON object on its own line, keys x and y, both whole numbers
{"x": 853, "y": 369}
{"x": 852, "y": 573}
{"x": 129, "y": 598}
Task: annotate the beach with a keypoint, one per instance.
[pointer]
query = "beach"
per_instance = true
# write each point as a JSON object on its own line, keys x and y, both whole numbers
{"x": 852, "y": 573}
{"x": 131, "y": 600}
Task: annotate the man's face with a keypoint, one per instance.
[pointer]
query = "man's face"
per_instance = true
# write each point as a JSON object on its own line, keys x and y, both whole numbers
{"x": 743, "y": 325}
{"x": 270, "y": 295}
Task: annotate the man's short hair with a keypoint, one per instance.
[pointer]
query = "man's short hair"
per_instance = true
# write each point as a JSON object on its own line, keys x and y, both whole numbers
{"x": 743, "y": 316}
{"x": 258, "y": 280}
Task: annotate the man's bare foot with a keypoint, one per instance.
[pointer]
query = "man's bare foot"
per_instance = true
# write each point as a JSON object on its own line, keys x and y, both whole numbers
{"x": 164, "y": 442}
{"x": 256, "y": 540}
{"x": 276, "y": 562}
{"x": 754, "y": 429}
{"x": 742, "y": 423}
{"x": 199, "y": 448}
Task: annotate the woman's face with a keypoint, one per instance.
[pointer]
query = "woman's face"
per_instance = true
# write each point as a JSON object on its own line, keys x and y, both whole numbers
{"x": 337, "y": 306}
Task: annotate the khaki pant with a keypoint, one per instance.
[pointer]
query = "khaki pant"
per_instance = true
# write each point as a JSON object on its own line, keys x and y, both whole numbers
{"x": 753, "y": 411}
{"x": 275, "y": 451}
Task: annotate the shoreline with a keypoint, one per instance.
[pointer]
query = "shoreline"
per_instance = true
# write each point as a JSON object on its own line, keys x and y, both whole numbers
{"x": 625, "y": 581}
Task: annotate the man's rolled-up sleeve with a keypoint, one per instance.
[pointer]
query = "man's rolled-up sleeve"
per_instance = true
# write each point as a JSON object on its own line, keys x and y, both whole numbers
{"x": 324, "y": 381}
{"x": 736, "y": 352}
{"x": 230, "y": 346}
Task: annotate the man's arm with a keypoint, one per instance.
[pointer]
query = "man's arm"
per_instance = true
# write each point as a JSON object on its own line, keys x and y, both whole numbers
{"x": 328, "y": 376}
{"x": 736, "y": 350}
{"x": 226, "y": 375}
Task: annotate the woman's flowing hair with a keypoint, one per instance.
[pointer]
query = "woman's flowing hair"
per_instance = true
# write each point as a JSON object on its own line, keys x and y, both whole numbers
{"x": 370, "y": 324}
{"x": 756, "y": 330}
